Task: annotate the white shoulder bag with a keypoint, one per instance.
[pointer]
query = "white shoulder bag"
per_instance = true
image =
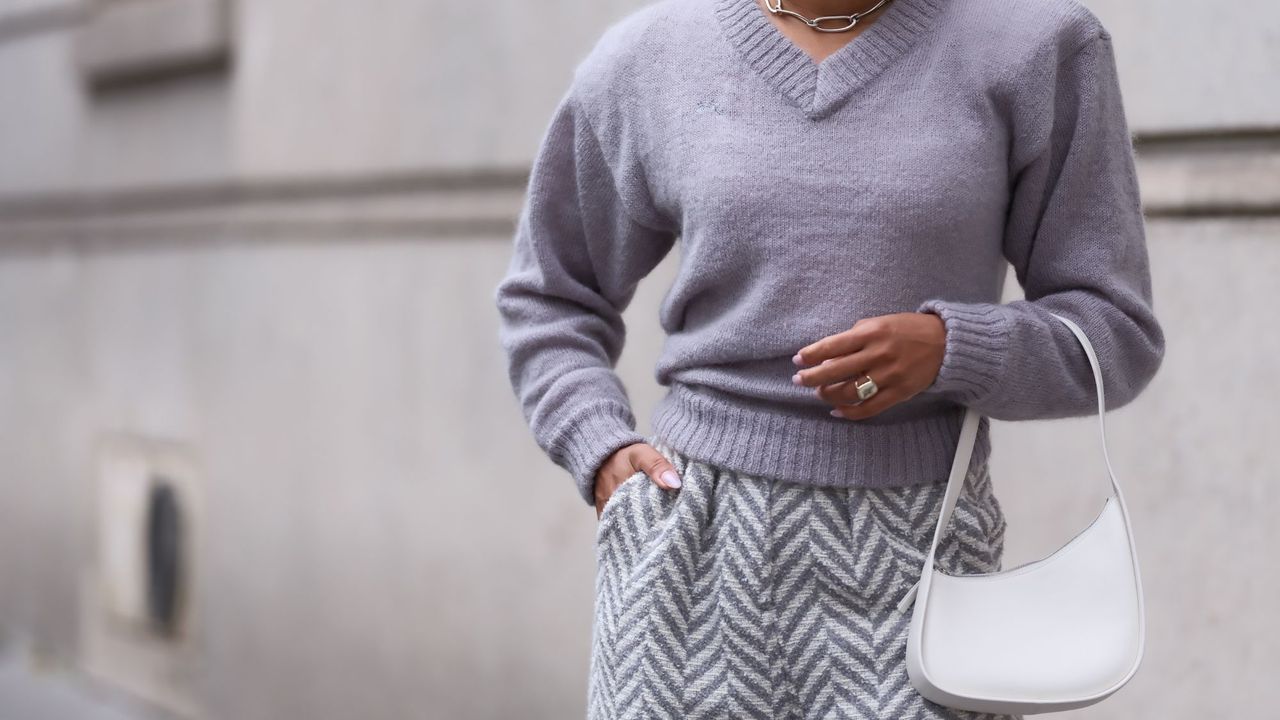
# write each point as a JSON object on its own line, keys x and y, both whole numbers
{"x": 1058, "y": 633}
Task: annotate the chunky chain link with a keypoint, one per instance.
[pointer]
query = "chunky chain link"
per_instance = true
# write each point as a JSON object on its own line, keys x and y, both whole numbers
{"x": 824, "y": 22}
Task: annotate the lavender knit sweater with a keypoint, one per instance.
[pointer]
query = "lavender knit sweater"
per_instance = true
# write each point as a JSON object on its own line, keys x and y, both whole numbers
{"x": 897, "y": 175}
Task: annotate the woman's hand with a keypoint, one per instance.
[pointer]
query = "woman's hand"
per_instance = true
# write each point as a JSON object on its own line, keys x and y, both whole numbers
{"x": 627, "y": 461}
{"x": 902, "y": 352}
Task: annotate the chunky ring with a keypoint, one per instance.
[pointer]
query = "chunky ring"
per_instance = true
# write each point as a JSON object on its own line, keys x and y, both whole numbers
{"x": 866, "y": 389}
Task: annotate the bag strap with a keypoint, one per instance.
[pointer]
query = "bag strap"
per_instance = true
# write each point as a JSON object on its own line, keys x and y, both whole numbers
{"x": 964, "y": 452}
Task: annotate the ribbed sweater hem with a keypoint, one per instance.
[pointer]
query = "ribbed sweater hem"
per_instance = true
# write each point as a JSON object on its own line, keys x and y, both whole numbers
{"x": 806, "y": 450}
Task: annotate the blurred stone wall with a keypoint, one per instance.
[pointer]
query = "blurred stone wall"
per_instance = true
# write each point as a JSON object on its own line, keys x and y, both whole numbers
{"x": 249, "y": 249}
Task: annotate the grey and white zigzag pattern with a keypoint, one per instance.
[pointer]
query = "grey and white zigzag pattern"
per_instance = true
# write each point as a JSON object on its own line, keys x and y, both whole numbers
{"x": 744, "y": 597}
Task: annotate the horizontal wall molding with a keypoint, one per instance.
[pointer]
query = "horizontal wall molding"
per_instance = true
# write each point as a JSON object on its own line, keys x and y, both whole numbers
{"x": 42, "y": 17}
{"x": 129, "y": 43}
{"x": 1173, "y": 136}
{"x": 253, "y": 190}
{"x": 1210, "y": 173}
{"x": 481, "y": 203}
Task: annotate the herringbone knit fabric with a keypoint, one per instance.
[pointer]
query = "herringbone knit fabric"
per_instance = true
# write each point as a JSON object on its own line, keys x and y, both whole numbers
{"x": 945, "y": 139}
{"x": 749, "y": 597}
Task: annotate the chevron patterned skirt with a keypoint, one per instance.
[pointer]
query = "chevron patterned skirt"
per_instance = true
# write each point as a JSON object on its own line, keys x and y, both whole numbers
{"x": 748, "y": 597}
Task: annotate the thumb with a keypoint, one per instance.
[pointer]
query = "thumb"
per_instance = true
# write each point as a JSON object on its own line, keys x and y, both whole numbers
{"x": 657, "y": 467}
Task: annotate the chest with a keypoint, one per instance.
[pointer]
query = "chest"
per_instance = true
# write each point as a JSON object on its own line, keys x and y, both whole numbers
{"x": 919, "y": 162}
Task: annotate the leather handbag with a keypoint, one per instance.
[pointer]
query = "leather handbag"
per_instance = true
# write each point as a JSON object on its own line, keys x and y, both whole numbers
{"x": 1058, "y": 633}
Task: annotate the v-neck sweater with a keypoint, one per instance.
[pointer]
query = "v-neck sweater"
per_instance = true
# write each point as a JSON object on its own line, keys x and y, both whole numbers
{"x": 899, "y": 174}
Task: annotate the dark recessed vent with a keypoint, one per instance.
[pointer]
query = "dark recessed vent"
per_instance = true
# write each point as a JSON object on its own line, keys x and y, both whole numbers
{"x": 164, "y": 557}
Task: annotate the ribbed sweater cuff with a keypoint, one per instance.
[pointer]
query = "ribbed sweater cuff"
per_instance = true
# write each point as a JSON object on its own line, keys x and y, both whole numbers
{"x": 586, "y": 440}
{"x": 977, "y": 348}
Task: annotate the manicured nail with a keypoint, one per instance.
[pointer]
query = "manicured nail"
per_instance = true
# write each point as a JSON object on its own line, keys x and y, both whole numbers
{"x": 671, "y": 479}
{"x": 796, "y": 378}
{"x": 836, "y": 413}
{"x": 796, "y": 359}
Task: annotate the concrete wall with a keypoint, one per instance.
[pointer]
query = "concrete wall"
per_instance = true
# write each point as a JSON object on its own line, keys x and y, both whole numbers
{"x": 276, "y": 276}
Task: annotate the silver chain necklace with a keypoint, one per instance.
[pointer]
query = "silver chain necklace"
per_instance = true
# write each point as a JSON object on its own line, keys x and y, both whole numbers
{"x": 818, "y": 23}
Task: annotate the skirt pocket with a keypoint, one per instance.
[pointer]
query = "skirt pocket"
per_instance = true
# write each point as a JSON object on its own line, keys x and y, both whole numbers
{"x": 636, "y": 516}
{"x": 620, "y": 497}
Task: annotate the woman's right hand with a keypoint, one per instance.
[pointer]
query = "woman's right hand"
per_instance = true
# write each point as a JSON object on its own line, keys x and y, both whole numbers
{"x": 627, "y": 461}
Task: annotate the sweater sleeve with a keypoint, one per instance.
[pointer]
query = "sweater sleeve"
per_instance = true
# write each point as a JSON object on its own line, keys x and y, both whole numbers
{"x": 1075, "y": 236}
{"x": 584, "y": 239}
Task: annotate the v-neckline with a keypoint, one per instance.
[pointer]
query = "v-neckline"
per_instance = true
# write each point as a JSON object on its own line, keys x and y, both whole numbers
{"x": 819, "y": 87}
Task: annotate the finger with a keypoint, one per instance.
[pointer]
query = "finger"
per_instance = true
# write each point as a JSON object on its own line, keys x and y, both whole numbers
{"x": 845, "y": 392}
{"x": 600, "y": 500}
{"x": 845, "y": 367}
{"x": 656, "y": 466}
{"x": 842, "y": 343}
{"x": 877, "y": 403}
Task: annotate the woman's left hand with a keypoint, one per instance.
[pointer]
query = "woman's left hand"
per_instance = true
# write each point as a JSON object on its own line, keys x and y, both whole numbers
{"x": 901, "y": 352}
